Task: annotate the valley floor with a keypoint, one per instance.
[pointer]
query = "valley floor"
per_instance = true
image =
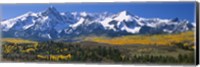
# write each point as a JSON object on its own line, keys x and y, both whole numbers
{"x": 99, "y": 50}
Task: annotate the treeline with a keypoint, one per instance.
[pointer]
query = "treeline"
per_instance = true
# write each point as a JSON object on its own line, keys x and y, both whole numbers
{"x": 80, "y": 53}
{"x": 160, "y": 59}
{"x": 83, "y": 53}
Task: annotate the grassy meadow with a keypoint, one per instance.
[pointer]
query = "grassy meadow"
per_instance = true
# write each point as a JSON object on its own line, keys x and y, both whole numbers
{"x": 160, "y": 39}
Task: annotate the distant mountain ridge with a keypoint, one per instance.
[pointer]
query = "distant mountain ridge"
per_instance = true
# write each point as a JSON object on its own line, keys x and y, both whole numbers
{"x": 52, "y": 24}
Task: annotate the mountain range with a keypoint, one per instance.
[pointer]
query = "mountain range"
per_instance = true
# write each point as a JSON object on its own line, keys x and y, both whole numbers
{"x": 51, "y": 24}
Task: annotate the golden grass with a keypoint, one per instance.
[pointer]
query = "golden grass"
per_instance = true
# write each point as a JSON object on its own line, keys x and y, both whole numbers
{"x": 17, "y": 40}
{"x": 55, "y": 57}
{"x": 160, "y": 39}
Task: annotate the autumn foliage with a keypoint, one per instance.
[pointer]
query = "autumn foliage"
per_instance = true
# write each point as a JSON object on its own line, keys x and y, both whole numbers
{"x": 162, "y": 48}
{"x": 160, "y": 39}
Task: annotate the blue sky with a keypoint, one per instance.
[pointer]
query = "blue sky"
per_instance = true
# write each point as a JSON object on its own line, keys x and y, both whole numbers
{"x": 165, "y": 10}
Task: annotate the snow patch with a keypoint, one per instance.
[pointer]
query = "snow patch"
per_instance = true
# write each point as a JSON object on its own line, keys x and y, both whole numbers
{"x": 106, "y": 24}
{"x": 134, "y": 30}
{"x": 74, "y": 13}
{"x": 83, "y": 14}
{"x": 194, "y": 24}
{"x": 78, "y": 23}
{"x": 46, "y": 36}
{"x": 27, "y": 26}
{"x": 168, "y": 31}
{"x": 62, "y": 14}
{"x": 6, "y": 25}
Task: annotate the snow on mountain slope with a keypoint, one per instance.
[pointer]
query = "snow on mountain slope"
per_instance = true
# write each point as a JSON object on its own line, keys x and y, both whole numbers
{"x": 6, "y": 25}
{"x": 78, "y": 23}
{"x": 123, "y": 21}
{"x": 123, "y": 16}
{"x": 52, "y": 24}
{"x": 106, "y": 24}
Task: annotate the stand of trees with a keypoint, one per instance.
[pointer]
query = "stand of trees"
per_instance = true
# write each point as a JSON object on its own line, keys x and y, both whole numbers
{"x": 77, "y": 52}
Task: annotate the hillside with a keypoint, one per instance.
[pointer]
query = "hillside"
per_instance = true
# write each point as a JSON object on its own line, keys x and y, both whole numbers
{"x": 160, "y": 39}
{"x": 17, "y": 40}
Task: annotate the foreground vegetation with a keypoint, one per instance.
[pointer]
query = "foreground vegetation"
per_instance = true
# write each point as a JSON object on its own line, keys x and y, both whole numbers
{"x": 92, "y": 52}
{"x": 148, "y": 49}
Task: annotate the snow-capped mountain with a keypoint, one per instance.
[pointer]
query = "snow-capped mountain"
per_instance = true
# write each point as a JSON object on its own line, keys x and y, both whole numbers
{"x": 52, "y": 24}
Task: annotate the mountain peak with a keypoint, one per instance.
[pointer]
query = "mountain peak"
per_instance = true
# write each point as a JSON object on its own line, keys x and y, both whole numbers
{"x": 26, "y": 14}
{"x": 125, "y": 13}
{"x": 83, "y": 14}
{"x": 51, "y": 10}
{"x": 52, "y": 24}
{"x": 175, "y": 19}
